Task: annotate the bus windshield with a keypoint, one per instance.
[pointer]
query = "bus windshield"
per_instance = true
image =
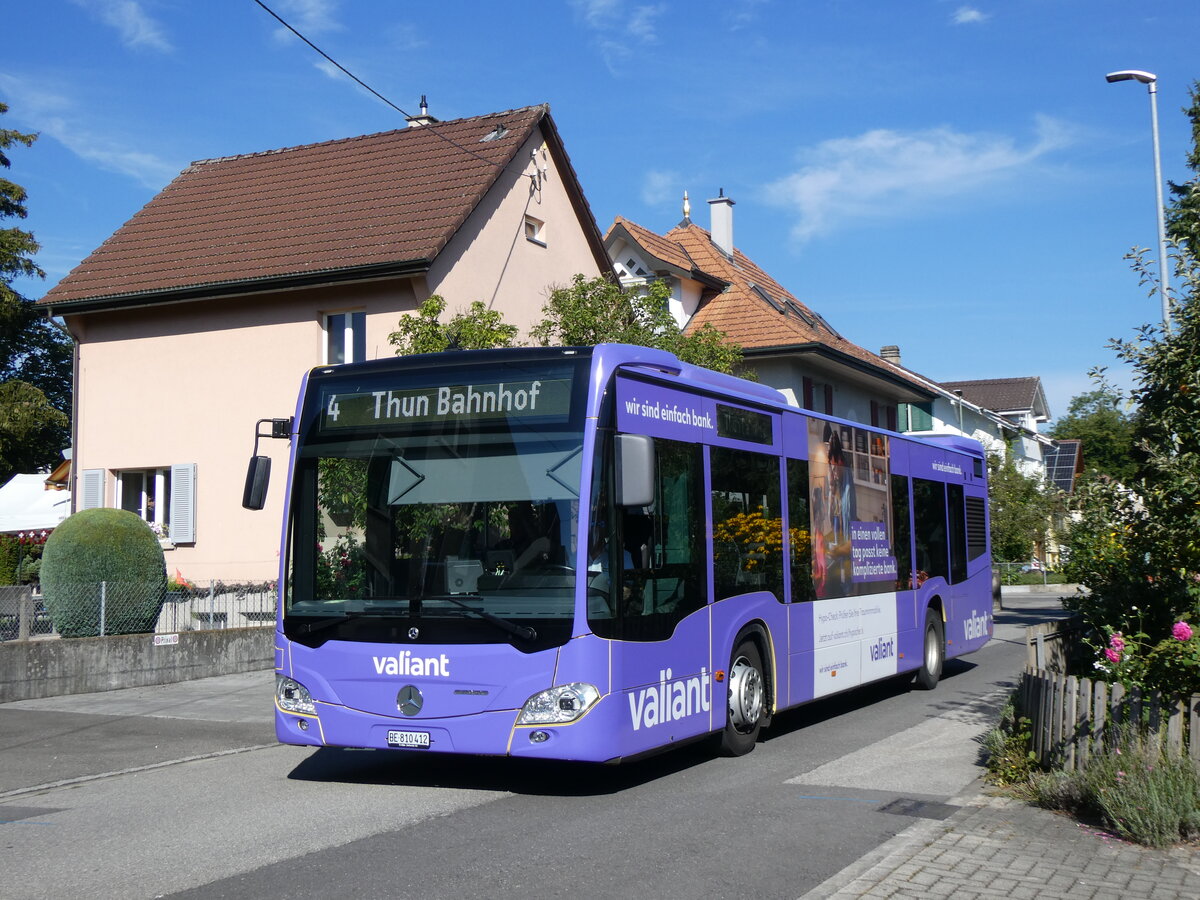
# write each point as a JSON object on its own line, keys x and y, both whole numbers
{"x": 449, "y": 531}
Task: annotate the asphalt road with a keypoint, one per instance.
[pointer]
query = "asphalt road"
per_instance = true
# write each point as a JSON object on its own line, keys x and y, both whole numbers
{"x": 181, "y": 790}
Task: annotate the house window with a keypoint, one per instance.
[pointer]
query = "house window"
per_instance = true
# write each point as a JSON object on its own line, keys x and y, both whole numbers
{"x": 535, "y": 230}
{"x": 345, "y": 337}
{"x": 146, "y": 493}
{"x": 166, "y": 497}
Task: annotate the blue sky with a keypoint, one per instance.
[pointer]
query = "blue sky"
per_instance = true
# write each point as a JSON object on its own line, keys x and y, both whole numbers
{"x": 953, "y": 177}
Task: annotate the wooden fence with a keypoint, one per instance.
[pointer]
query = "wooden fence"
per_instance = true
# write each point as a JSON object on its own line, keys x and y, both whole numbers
{"x": 1074, "y": 719}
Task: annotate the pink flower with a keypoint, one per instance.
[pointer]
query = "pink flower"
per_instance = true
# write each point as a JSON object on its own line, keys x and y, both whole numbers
{"x": 1114, "y": 656}
{"x": 1117, "y": 642}
{"x": 1182, "y": 631}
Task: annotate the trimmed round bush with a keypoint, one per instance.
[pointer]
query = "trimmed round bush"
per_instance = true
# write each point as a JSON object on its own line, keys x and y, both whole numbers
{"x": 103, "y": 572}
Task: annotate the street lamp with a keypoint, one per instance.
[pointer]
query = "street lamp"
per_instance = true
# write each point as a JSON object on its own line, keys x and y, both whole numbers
{"x": 1151, "y": 81}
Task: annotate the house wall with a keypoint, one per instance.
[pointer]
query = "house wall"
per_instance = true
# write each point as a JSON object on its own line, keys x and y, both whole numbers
{"x": 186, "y": 383}
{"x": 850, "y": 401}
{"x": 490, "y": 259}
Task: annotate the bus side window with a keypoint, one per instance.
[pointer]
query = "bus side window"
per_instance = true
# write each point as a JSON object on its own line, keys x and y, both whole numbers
{"x": 747, "y": 523}
{"x": 929, "y": 522}
{"x": 800, "y": 526}
{"x": 902, "y": 531}
{"x": 956, "y": 515}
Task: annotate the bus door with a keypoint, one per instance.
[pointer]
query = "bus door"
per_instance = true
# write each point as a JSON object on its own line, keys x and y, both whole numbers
{"x": 647, "y": 573}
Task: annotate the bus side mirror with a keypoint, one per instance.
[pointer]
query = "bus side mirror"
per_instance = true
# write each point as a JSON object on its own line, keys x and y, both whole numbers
{"x": 258, "y": 476}
{"x": 634, "y": 470}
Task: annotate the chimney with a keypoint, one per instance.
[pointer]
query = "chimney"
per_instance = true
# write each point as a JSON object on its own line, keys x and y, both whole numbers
{"x": 891, "y": 353}
{"x": 424, "y": 118}
{"x": 721, "y": 211}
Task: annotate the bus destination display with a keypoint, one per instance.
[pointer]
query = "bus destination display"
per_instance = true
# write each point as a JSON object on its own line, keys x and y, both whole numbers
{"x": 546, "y": 399}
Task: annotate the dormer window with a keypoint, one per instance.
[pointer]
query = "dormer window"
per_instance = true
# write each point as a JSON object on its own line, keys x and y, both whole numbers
{"x": 631, "y": 267}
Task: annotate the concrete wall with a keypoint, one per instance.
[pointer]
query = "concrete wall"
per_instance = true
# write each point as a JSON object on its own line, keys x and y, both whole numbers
{"x": 50, "y": 668}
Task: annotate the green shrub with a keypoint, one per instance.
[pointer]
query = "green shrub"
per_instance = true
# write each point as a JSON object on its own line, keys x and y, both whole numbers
{"x": 1134, "y": 788}
{"x": 1009, "y": 748}
{"x": 112, "y": 547}
{"x": 1144, "y": 795}
{"x": 10, "y": 551}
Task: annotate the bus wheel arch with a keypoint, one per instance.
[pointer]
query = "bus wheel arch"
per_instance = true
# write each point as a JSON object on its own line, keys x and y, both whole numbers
{"x": 750, "y": 691}
{"x": 933, "y": 648}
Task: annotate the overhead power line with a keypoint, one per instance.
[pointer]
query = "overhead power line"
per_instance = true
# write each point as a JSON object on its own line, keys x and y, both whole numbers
{"x": 368, "y": 88}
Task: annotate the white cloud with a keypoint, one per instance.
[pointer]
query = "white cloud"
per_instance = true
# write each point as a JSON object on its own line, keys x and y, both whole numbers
{"x": 885, "y": 174}
{"x": 309, "y": 17}
{"x": 641, "y": 22}
{"x": 136, "y": 28}
{"x": 53, "y": 115}
{"x": 660, "y": 187}
{"x": 619, "y": 27}
{"x": 968, "y": 15}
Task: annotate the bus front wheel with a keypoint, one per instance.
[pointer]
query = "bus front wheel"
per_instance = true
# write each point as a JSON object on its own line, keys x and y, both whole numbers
{"x": 747, "y": 700}
{"x": 935, "y": 652}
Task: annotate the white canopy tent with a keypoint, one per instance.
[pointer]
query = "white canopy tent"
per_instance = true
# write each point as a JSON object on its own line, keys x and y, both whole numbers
{"x": 26, "y": 505}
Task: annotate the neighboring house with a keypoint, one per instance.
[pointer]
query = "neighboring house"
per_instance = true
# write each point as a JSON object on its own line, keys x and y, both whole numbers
{"x": 199, "y": 316}
{"x": 1020, "y": 401}
{"x": 793, "y": 348}
{"x": 962, "y": 407}
{"x": 786, "y": 343}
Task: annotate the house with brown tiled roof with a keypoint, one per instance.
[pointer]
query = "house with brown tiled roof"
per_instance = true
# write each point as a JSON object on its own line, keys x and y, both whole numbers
{"x": 792, "y": 347}
{"x": 199, "y": 316}
{"x": 786, "y": 343}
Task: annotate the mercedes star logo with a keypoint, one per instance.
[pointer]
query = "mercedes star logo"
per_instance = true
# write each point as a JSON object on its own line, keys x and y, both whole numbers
{"x": 414, "y": 633}
{"x": 409, "y": 701}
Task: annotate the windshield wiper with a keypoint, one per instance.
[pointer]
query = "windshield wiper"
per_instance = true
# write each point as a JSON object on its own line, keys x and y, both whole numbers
{"x": 329, "y": 621}
{"x": 524, "y": 632}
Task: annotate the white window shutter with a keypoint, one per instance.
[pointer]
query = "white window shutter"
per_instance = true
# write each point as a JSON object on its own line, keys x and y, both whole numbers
{"x": 92, "y": 489}
{"x": 183, "y": 503}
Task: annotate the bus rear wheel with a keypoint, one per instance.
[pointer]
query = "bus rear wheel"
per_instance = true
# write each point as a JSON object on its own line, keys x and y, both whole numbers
{"x": 935, "y": 652}
{"x": 747, "y": 700}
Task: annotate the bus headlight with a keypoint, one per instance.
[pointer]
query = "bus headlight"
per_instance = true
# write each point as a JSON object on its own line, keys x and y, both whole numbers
{"x": 558, "y": 705}
{"x": 292, "y": 696}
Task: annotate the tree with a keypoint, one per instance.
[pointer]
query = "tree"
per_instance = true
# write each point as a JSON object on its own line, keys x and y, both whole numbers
{"x": 1021, "y": 509}
{"x": 1099, "y": 419}
{"x": 35, "y": 355}
{"x": 479, "y": 328}
{"x": 598, "y": 310}
{"x": 1183, "y": 213}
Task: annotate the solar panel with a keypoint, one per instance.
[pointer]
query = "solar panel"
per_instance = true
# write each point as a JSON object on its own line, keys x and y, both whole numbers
{"x": 1061, "y": 463}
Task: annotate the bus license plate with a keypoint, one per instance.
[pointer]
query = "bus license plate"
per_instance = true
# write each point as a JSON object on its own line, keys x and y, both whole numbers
{"x": 408, "y": 739}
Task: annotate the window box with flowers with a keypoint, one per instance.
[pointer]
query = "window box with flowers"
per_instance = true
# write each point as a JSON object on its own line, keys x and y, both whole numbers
{"x": 162, "y": 532}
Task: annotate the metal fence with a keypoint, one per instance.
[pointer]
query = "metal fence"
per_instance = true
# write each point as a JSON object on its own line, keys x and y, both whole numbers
{"x": 92, "y": 609}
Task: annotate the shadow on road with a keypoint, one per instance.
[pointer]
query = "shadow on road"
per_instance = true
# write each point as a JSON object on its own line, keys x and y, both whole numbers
{"x": 518, "y": 776}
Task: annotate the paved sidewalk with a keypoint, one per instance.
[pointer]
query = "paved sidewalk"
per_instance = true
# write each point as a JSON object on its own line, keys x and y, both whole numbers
{"x": 996, "y": 846}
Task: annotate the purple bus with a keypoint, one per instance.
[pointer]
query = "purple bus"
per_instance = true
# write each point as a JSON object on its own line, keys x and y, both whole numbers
{"x": 597, "y": 553}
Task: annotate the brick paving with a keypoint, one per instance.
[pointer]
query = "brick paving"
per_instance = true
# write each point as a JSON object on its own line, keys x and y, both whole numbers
{"x": 1000, "y": 847}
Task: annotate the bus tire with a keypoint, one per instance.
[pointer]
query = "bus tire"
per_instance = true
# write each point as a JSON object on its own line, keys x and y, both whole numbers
{"x": 747, "y": 700}
{"x": 934, "y": 652}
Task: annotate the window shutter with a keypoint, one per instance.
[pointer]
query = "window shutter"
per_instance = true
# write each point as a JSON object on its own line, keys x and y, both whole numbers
{"x": 829, "y": 399}
{"x": 92, "y": 489}
{"x": 874, "y": 414}
{"x": 808, "y": 392}
{"x": 891, "y": 418}
{"x": 183, "y": 503}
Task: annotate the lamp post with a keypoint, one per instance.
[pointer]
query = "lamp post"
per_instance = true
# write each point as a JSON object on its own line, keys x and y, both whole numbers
{"x": 1151, "y": 81}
